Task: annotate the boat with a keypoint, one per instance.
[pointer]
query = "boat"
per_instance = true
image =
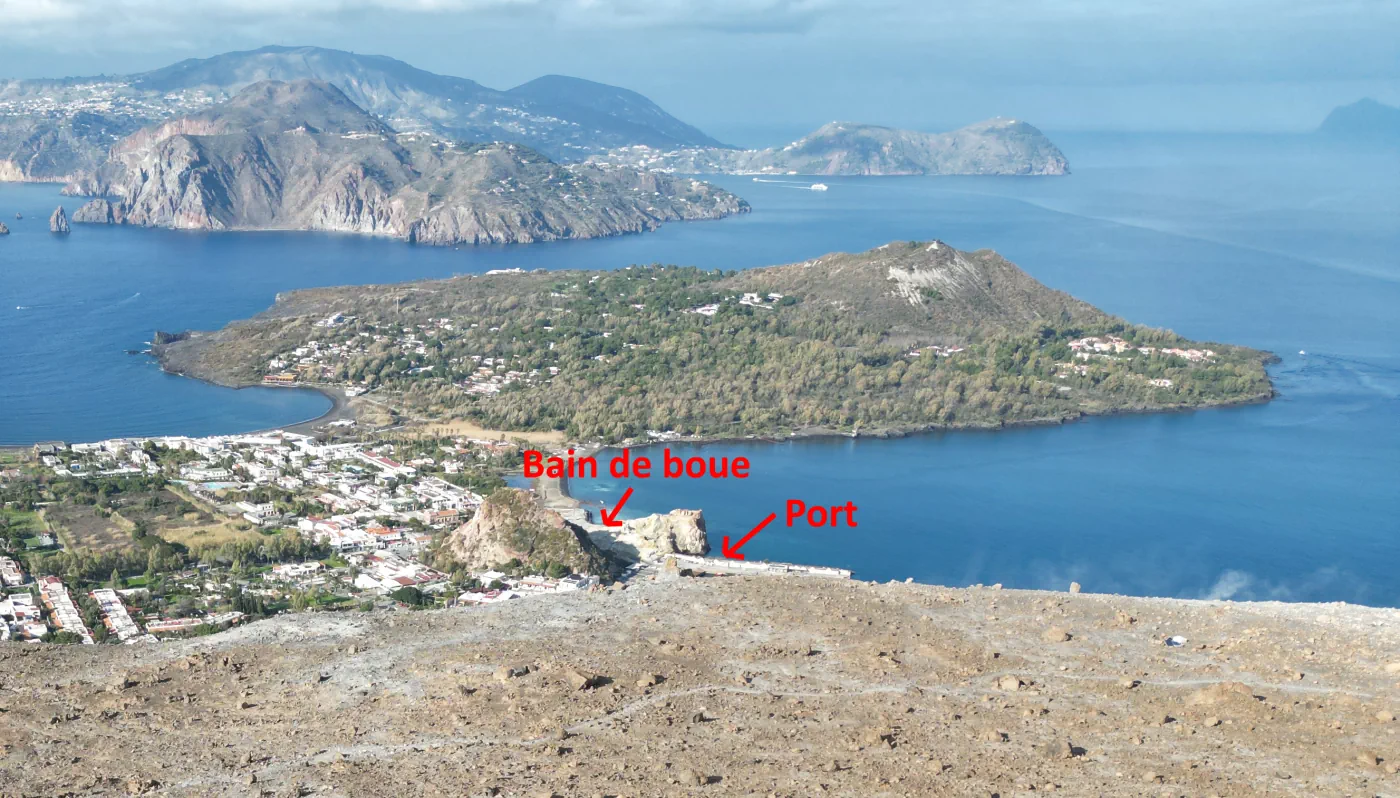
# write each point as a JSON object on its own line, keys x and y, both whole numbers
{"x": 819, "y": 187}
{"x": 1301, "y": 352}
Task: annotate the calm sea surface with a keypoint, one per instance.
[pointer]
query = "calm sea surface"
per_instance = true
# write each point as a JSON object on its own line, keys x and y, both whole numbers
{"x": 1258, "y": 241}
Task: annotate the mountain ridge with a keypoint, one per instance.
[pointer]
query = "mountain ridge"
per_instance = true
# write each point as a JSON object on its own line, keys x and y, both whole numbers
{"x": 302, "y": 156}
{"x": 53, "y": 129}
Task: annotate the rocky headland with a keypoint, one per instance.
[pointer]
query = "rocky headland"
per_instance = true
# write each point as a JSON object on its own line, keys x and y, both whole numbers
{"x": 994, "y": 147}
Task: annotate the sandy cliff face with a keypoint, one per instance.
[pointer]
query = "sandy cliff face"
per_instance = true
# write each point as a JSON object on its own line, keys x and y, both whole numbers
{"x": 676, "y": 532}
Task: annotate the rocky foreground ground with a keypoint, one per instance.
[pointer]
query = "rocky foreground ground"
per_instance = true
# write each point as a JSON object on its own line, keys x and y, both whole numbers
{"x": 727, "y": 686}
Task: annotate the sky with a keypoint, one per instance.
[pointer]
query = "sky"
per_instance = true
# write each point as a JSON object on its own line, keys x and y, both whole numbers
{"x": 763, "y": 71}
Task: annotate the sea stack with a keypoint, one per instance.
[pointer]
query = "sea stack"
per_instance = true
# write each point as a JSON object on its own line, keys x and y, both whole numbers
{"x": 4, "y": 231}
{"x": 58, "y": 223}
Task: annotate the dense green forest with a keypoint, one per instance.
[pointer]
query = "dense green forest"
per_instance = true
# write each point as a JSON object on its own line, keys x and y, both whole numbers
{"x": 848, "y": 342}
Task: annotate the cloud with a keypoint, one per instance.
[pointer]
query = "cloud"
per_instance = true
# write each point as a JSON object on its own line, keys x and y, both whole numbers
{"x": 57, "y": 21}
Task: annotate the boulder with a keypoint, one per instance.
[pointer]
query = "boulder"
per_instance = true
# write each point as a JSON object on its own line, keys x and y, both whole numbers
{"x": 4, "y": 231}
{"x": 98, "y": 211}
{"x": 676, "y": 532}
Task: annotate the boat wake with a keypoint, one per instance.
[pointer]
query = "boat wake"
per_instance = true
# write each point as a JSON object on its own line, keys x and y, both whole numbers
{"x": 801, "y": 185}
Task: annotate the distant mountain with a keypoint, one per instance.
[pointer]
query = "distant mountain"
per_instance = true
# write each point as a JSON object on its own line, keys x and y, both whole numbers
{"x": 54, "y": 129}
{"x": 301, "y": 156}
{"x": 1364, "y": 121}
{"x": 996, "y": 146}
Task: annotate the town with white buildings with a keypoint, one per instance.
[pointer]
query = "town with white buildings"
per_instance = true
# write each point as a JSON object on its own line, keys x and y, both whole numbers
{"x": 322, "y": 361}
{"x": 369, "y": 512}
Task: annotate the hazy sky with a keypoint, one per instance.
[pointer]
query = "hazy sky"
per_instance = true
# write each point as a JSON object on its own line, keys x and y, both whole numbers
{"x": 789, "y": 65}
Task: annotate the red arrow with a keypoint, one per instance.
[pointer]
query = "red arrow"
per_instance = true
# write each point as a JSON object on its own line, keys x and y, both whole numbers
{"x": 610, "y": 518}
{"x": 732, "y": 552}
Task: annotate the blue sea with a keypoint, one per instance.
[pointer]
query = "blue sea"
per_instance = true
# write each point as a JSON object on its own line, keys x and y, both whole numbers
{"x": 1270, "y": 242}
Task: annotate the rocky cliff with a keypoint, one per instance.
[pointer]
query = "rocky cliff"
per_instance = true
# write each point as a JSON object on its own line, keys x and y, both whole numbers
{"x": 676, "y": 532}
{"x": 510, "y": 525}
{"x": 58, "y": 222}
{"x": 994, "y": 147}
{"x": 301, "y": 156}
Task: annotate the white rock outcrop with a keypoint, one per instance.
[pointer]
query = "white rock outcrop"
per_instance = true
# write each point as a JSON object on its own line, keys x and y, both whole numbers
{"x": 676, "y": 532}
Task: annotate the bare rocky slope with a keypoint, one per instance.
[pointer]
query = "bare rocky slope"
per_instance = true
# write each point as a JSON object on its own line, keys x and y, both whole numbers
{"x": 778, "y": 686}
{"x": 509, "y": 525}
{"x": 302, "y": 156}
{"x": 993, "y": 147}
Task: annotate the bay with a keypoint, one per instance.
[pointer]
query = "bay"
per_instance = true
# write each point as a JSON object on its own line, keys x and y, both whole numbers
{"x": 1263, "y": 241}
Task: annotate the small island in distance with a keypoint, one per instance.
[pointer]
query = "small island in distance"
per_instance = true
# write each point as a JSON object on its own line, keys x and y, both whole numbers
{"x": 1364, "y": 122}
{"x": 994, "y": 147}
{"x": 909, "y": 336}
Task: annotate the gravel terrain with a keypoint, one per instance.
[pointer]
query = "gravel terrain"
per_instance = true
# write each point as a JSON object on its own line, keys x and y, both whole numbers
{"x": 768, "y": 686}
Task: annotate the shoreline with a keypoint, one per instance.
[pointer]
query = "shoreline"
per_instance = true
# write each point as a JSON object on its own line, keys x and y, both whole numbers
{"x": 895, "y": 433}
{"x": 341, "y": 409}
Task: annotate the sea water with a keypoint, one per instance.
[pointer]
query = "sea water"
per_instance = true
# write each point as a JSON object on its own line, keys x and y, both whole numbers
{"x": 1269, "y": 242}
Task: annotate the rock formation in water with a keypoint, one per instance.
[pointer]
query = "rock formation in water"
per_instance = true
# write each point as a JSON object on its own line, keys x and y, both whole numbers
{"x": 994, "y": 147}
{"x": 676, "y": 532}
{"x": 301, "y": 156}
{"x": 510, "y": 525}
{"x": 58, "y": 223}
{"x": 4, "y": 231}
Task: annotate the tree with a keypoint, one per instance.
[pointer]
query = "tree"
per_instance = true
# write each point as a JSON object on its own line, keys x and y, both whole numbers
{"x": 115, "y": 582}
{"x": 411, "y": 596}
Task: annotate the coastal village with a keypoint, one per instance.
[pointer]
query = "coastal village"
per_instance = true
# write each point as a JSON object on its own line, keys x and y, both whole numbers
{"x": 324, "y": 361}
{"x": 362, "y": 520}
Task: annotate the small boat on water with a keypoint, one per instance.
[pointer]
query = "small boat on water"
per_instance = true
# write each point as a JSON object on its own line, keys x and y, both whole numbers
{"x": 819, "y": 187}
{"x": 1301, "y": 352}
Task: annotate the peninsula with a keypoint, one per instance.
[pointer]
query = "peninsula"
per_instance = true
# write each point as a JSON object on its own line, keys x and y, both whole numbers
{"x": 301, "y": 156}
{"x": 994, "y": 147}
{"x": 907, "y": 336}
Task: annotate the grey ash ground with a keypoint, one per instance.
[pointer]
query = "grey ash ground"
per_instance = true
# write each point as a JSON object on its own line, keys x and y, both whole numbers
{"x": 728, "y": 686}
